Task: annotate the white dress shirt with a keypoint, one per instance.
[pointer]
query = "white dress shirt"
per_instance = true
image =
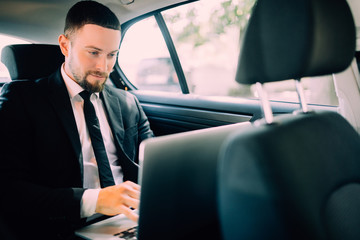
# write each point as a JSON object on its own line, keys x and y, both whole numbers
{"x": 91, "y": 174}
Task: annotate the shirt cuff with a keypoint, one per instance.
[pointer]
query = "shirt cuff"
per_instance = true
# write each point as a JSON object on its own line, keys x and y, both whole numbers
{"x": 88, "y": 202}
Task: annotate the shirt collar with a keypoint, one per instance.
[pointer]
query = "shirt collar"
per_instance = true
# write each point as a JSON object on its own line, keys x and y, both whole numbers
{"x": 73, "y": 87}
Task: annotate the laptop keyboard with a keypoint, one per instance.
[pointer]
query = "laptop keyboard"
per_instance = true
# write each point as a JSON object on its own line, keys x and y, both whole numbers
{"x": 129, "y": 234}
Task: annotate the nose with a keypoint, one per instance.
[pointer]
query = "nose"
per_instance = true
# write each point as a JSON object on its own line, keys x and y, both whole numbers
{"x": 101, "y": 64}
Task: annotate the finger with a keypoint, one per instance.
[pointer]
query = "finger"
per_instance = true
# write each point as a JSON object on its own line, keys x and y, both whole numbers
{"x": 132, "y": 215}
{"x": 128, "y": 186}
{"x": 133, "y": 193}
{"x": 133, "y": 185}
{"x": 131, "y": 202}
{"x": 132, "y": 189}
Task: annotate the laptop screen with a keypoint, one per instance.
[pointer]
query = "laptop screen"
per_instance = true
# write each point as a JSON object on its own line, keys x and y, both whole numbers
{"x": 178, "y": 184}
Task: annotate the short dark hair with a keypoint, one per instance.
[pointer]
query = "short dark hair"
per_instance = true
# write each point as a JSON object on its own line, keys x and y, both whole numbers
{"x": 90, "y": 12}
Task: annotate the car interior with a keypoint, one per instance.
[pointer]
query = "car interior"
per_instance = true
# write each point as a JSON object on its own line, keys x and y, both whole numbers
{"x": 253, "y": 168}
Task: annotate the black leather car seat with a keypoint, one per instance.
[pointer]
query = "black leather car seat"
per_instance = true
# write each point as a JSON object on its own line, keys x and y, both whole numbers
{"x": 297, "y": 176}
{"x": 31, "y": 61}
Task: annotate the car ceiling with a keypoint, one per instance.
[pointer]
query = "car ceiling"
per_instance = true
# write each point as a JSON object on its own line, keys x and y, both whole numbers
{"x": 43, "y": 20}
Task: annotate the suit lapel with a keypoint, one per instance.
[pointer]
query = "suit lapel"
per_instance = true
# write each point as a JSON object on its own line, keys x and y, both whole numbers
{"x": 60, "y": 100}
{"x": 112, "y": 108}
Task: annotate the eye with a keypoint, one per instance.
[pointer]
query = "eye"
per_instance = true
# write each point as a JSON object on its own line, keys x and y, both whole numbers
{"x": 94, "y": 53}
{"x": 112, "y": 55}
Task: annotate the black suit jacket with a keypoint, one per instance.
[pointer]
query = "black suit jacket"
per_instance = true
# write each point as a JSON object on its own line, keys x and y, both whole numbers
{"x": 41, "y": 165}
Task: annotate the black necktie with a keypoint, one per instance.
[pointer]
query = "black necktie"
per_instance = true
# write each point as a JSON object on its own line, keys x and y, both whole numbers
{"x": 92, "y": 122}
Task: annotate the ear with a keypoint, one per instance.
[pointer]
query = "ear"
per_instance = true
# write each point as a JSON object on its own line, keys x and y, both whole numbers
{"x": 64, "y": 44}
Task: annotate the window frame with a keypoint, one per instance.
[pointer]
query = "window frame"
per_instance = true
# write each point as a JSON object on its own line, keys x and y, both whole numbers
{"x": 118, "y": 76}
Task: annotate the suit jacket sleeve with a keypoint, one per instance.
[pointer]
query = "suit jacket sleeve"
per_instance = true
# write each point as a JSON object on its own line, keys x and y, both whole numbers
{"x": 130, "y": 126}
{"x": 144, "y": 125}
{"x": 143, "y": 128}
{"x": 22, "y": 195}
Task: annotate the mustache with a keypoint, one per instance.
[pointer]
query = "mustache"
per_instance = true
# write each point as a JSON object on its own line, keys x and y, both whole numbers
{"x": 98, "y": 74}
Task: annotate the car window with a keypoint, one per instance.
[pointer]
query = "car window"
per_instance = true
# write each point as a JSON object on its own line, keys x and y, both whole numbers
{"x": 4, "y": 41}
{"x": 206, "y": 36}
{"x": 145, "y": 59}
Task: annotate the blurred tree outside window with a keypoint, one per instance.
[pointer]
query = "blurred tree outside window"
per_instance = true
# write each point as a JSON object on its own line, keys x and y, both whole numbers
{"x": 207, "y": 36}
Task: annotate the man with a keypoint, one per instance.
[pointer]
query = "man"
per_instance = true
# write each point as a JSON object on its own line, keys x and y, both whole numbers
{"x": 51, "y": 168}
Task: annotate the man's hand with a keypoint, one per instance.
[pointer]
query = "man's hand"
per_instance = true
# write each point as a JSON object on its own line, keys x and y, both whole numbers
{"x": 118, "y": 199}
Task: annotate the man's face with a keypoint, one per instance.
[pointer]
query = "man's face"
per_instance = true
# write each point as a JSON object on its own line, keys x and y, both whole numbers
{"x": 91, "y": 55}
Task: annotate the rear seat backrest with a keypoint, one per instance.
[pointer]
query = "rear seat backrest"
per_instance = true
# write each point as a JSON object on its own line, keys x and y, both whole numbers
{"x": 31, "y": 61}
{"x": 297, "y": 176}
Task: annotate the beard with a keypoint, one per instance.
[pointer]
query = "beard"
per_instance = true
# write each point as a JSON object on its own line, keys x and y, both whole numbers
{"x": 97, "y": 86}
{"x": 91, "y": 87}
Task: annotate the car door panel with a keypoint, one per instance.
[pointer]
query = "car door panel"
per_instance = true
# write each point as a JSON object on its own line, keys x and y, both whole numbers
{"x": 170, "y": 113}
{"x": 172, "y": 119}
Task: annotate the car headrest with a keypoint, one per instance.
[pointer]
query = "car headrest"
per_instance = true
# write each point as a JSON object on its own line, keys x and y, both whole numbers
{"x": 31, "y": 61}
{"x": 294, "y": 39}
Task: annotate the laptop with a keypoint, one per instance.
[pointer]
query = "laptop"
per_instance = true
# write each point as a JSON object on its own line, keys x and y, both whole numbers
{"x": 117, "y": 227}
{"x": 178, "y": 189}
